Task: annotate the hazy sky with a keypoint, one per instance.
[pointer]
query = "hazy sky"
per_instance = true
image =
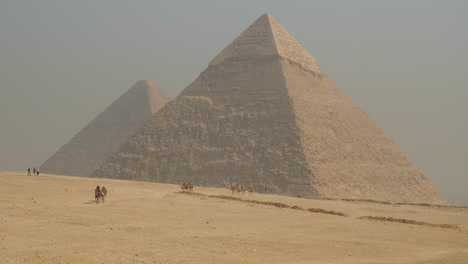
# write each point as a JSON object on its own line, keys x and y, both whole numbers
{"x": 405, "y": 63}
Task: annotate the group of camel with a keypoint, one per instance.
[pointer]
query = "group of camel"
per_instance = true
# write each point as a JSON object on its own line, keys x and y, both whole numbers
{"x": 99, "y": 194}
{"x": 240, "y": 189}
{"x": 235, "y": 189}
{"x": 186, "y": 186}
{"x": 271, "y": 189}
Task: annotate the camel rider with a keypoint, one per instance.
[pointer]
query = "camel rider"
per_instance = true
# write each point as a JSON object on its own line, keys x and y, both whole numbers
{"x": 98, "y": 189}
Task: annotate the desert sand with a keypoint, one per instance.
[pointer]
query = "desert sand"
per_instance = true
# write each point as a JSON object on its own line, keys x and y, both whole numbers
{"x": 54, "y": 219}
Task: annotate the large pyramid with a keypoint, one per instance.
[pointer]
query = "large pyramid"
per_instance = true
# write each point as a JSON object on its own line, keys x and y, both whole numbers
{"x": 103, "y": 136}
{"x": 264, "y": 113}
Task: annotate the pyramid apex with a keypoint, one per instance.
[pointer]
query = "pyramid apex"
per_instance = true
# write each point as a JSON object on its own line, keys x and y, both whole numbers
{"x": 266, "y": 37}
{"x": 267, "y": 17}
{"x": 144, "y": 83}
{"x": 256, "y": 40}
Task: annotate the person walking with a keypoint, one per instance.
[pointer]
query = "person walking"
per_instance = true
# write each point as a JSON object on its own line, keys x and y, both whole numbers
{"x": 29, "y": 171}
{"x": 34, "y": 171}
{"x": 37, "y": 170}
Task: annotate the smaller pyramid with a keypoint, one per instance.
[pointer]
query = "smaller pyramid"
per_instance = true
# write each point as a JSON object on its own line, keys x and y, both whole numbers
{"x": 103, "y": 136}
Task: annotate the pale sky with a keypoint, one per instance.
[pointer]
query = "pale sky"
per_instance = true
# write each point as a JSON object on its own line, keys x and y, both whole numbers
{"x": 405, "y": 63}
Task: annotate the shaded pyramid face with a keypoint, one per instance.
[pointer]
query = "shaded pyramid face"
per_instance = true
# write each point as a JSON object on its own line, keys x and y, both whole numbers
{"x": 263, "y": 113}
{"x": 103, "y": 136}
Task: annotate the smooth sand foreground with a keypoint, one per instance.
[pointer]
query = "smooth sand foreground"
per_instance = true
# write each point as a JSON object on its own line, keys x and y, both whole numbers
{"x": 54, "y": 219}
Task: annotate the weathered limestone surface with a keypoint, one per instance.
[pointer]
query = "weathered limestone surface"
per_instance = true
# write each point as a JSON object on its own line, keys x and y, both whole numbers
{"x": 348, "y": 154}
{"x": 103, "y": 136}
{"x": 263, "y": 113}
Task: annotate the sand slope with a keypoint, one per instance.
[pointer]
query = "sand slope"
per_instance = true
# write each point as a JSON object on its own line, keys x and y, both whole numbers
{"x": 54, "y": 219}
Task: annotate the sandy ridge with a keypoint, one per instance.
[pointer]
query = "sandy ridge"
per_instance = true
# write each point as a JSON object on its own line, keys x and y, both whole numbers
{"x": 53, "y": 219}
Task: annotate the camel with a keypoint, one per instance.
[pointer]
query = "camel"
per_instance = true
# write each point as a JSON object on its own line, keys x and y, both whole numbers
{"x": 104, "y": 190}
{"x": 98, "y": 195}
{"x": 250, "y": 190}
{"x": 232, "y": 188}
